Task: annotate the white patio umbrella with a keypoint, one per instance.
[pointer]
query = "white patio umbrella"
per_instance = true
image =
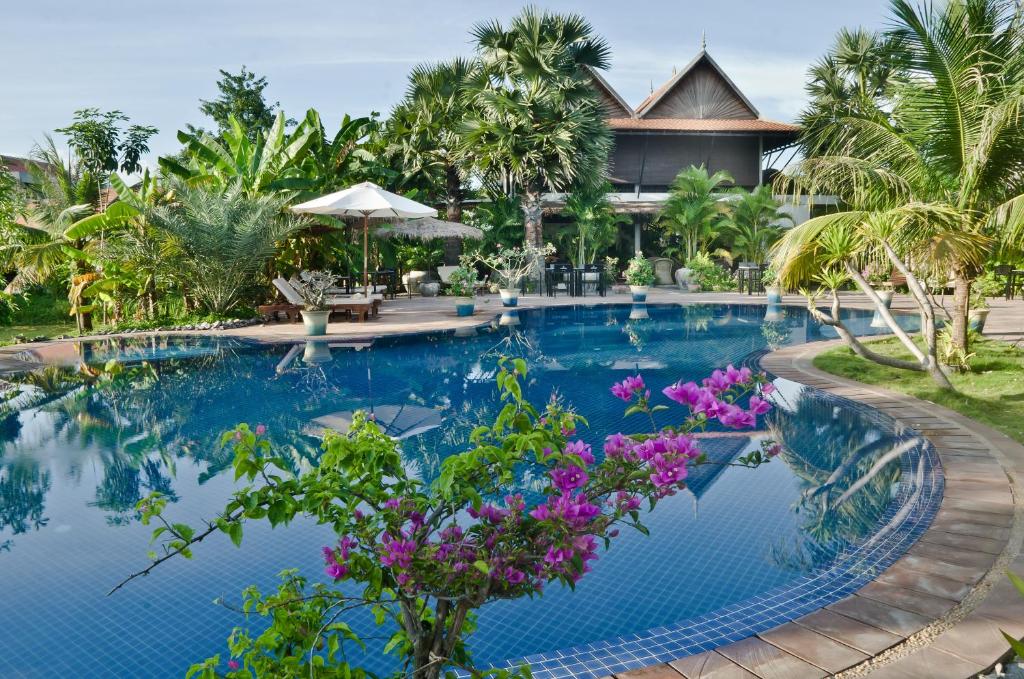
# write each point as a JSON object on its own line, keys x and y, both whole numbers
{"x": 366, "y": 200}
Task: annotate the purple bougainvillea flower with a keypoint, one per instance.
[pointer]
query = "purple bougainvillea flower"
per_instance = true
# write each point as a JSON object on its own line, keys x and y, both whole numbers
{"x": 686, "y": 394}
{"x": 735, "y": 417}
{"x": 261, "y": 429}
{"x": 569, "y": 479}
{"x": 758, "y": 406}
{"x": 581, "y": 449}
{"x": 233, "y": 665}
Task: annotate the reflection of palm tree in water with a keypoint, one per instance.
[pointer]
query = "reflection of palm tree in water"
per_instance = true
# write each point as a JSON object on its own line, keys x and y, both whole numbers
{"x": 23, "y": 488}
{"x": 847, "y": 476}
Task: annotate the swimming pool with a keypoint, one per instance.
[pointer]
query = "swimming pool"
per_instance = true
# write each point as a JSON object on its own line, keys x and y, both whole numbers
{"x": 740, "y": 551}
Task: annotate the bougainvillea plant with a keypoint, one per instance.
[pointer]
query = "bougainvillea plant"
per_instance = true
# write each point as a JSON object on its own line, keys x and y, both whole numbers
{"x": 423, "y": 557}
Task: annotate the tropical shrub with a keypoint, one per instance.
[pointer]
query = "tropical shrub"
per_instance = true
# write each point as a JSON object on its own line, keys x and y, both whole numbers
{"x": 694, "y": 212}
{"x": 424, "y": 557}
{"x": 640, "y": 271}
{"x": 224, "y": 240}
{"x": 710, "y": 275}
{"x": 512, "y": 265}
{"x": 462, "y": 282}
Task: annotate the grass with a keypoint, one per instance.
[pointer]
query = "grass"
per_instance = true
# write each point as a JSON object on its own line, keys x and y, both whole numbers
{"x": 992, "y": 392}
{"x": 42, "y": 312}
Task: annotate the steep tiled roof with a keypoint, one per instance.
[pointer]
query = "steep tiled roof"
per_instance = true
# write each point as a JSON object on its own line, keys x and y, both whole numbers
{"x": 701, "y": 125}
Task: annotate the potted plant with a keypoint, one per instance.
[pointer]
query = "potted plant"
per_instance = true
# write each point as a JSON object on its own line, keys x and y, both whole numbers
{"x": 512, "y": 265}
{"x": 316, "y": 311}
{"x": 462, "y": 286}
{"x": 772, "y": 287}
{"x": 985, "y": 287}
{"x": 639, "y": 277}
{"x": 878, "y": 277}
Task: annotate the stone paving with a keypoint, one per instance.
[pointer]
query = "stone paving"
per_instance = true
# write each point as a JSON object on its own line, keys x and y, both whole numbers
{"x": 937, "y": 612}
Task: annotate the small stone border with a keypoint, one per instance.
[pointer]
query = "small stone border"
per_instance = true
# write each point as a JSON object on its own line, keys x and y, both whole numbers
{"x": 940, "y": 610}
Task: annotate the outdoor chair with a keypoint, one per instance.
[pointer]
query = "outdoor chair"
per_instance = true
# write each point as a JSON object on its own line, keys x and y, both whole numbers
{"x": 358, "y": 307}
{"x": 559, "y": 278}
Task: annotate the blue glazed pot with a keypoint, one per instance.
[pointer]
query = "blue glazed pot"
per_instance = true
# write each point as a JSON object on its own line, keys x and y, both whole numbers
{"x": 639, "y": 293}
{"x": 509, "y": 297}
{"x": 464, "y": 308}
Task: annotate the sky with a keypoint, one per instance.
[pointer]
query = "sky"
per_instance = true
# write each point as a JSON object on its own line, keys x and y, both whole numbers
{"x": 155, "y": 60}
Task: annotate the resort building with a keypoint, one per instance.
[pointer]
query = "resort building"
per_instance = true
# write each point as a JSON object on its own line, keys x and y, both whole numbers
{"x": 698, "y": 117}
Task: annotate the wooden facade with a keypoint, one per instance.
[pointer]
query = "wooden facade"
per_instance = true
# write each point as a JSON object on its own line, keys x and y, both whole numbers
{"x": 699, "y": 117}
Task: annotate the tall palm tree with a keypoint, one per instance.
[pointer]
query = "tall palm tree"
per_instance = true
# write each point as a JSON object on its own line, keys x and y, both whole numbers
{"x": 950, "y": 140}
{"x": 595, "y": 222}
{"x": 427, "y": 123}
{"x": 754, "y": 224}
{"x": 695, "y": 209}
{"x": 857, "y": 74}
{"x": 535, "y": 123}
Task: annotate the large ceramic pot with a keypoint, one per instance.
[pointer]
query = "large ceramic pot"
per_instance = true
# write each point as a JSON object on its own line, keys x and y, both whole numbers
{"x": 684, "y": 280}
{"x": 877, "y": 321}
{"x": 509, "y": 318}
{"x": 639, "y": 292}
{"x": 315, "y": 321}
{"x": 464, "y": 306}
{"x": 774, "y": 293}
{"x": 413, "y": 279}
{"x": 509, "y": 296}
{"x": 430, "y": 288}
{"x": 976, "y": 319}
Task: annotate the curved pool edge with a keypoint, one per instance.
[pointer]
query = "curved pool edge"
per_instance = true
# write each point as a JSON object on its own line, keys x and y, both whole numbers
{"x": 943, "y": 604}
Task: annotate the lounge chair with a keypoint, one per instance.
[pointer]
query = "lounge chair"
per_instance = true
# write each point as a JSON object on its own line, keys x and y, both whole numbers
{"x": 358, "y": 307}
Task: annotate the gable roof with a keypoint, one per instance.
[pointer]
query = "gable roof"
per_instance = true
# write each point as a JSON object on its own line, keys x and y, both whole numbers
{"x": 615, "y": 106}
{"x": 701, "y": 87}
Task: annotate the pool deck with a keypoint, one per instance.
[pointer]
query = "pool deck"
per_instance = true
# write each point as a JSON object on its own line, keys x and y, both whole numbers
{"x": 937, "y": 612}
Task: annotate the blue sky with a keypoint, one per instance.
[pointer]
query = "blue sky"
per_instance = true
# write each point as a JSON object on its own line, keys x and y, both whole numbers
{"x": 155, "y": 60}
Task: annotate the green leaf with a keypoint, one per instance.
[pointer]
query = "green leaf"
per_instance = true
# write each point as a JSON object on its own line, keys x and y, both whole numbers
{"x": 235, "y": 532}
{"x": 482, "y": 567}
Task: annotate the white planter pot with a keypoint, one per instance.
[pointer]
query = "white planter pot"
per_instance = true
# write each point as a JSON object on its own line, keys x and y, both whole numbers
{"x": 876, "y": 320}
{"x": 430, "y": 288}
{"x": 509, "y": 297}
{"x": 684, "y": 281}
{"x": 509, "y": 318}
{"x": 976, "y": 319}
{"x": 774, "y": 293}
{"x": 639, "y": 292}
{"x": 315, "y": 321}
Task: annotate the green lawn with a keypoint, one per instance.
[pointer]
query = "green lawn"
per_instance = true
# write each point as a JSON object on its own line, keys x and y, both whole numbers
{"x": 42, "y": 312}
{"x": 8, "y": 333}
{"x": 992, "y": 393}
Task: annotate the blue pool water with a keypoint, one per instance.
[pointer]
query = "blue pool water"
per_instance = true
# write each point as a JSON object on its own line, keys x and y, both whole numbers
{"x": 740, "y": 550}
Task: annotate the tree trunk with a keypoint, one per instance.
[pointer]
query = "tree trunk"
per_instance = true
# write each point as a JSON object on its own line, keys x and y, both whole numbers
{"x": 453, "y": 187}
{"x": 961, "y": 303}
{"x": 533, "y": 219}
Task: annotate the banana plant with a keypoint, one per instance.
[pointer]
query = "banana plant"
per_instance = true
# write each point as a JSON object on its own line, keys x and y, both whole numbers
{"x": 258, "y": 167}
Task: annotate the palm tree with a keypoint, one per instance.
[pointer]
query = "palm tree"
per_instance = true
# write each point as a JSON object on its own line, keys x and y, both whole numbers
{"x": 948, "y": 144}
{"x": 225, "y": 239}
{"x": 595, "y": 221}
{"x": 857, "y": 74}
{"x": 754, "y": 224}
{"x": 535, "y": 123}
{"x": 63, "y": 192}
{"x": 425, "y": 127}
{"x": 695, "y": 208}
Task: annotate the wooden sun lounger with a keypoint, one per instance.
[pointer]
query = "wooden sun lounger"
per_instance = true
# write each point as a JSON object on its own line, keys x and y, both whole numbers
{"x": 359, "y": 310}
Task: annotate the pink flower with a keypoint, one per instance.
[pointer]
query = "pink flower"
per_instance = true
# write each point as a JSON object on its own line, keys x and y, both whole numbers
{"x": 261, "y": 429}
{"x": 617, "y": 445}
{"x": 741, "y": 376}
{"x": 767, "y": 388}
{"x": 758, "y": 406}
{"x": 686, "y": 394}
{"x": 629, "y": 386}
{"x": 569, "y": 479}
{"x": 580, "y": 449}
{"x": 718, "y": 382}
{"x": 735, "y": 417}
{"x": 233, "y": 665}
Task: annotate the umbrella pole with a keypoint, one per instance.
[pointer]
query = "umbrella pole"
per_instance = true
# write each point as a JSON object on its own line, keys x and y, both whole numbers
{"x": 366, "y": 255}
